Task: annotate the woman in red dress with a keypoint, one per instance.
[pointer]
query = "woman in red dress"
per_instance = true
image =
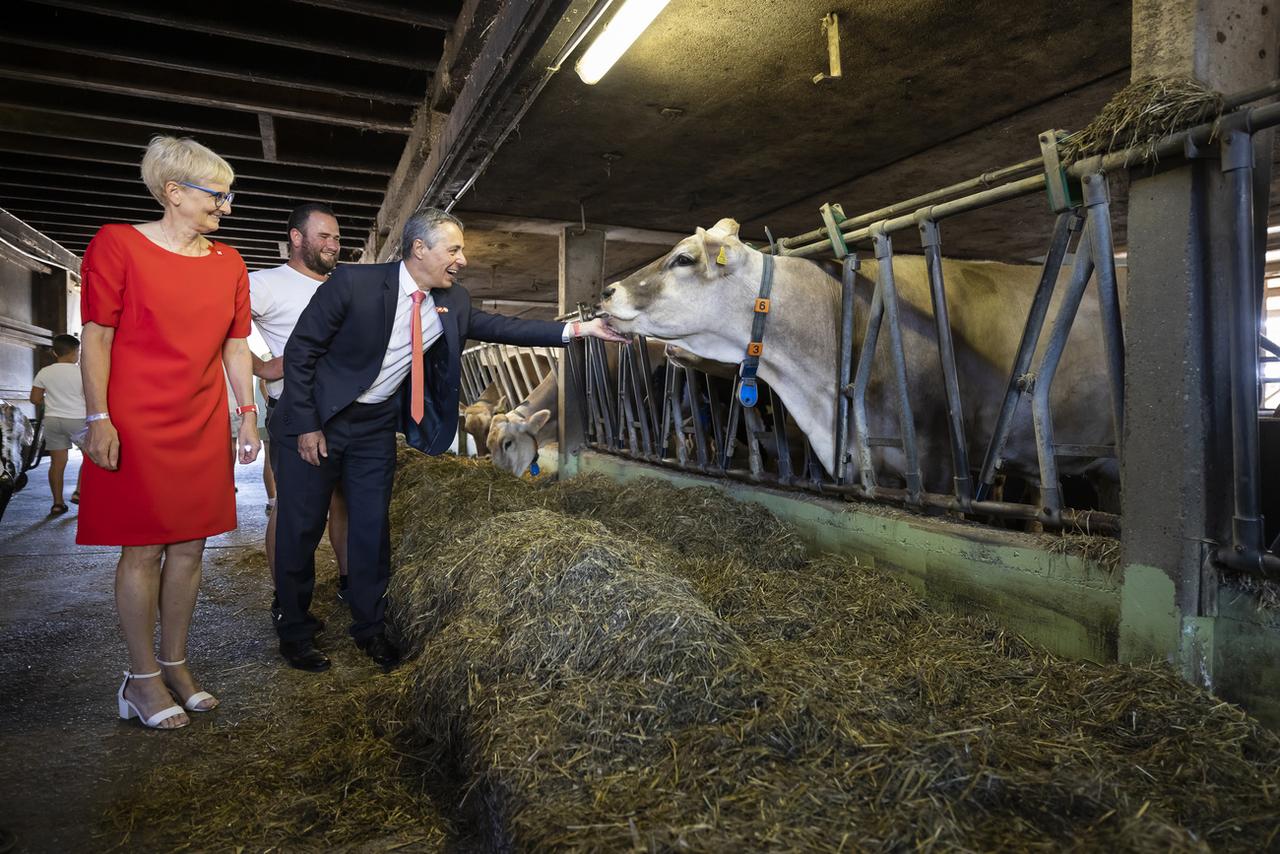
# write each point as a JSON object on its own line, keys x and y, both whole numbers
{"x": 165, "y": 312}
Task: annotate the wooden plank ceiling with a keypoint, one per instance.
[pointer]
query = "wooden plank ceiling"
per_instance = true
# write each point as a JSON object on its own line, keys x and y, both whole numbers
{"x": 310, "y": 100}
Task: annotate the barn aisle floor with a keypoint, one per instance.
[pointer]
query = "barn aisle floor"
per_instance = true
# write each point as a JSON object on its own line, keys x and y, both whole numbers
{"x": 66, "y": 754}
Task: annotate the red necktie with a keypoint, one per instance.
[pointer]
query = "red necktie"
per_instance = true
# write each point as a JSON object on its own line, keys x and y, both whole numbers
{"x": 416, "y": 405}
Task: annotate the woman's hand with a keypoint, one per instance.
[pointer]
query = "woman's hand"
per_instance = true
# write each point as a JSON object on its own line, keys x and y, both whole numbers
{"x": 103, "y": 444}
{"x": 248, "y": 444}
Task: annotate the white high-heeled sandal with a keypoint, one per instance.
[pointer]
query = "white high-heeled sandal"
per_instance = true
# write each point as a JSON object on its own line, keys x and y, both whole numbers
{"x": 129, "y": 710}
{"x": 191, "y": 704}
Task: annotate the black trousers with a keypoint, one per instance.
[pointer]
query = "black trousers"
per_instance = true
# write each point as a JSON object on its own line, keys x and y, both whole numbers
{"x": 361, "y": 443}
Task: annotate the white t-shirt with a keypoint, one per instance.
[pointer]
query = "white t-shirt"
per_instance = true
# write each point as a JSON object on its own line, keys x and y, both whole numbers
{"x": 276, "y": 299}
{"x": 63, "y": 390}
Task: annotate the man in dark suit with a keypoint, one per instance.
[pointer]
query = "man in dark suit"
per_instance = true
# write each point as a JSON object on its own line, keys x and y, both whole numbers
{"x": 377, "y": 350}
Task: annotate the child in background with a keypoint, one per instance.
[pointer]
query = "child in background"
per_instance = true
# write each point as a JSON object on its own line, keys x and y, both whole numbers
{"x": 59, "y": 388}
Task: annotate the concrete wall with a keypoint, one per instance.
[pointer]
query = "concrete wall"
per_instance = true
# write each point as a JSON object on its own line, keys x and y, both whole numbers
{"x": 1071, "y": 605}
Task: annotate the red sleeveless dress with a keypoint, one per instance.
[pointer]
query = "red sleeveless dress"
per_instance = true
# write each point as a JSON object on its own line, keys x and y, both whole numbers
{"x": 167, "y": 394}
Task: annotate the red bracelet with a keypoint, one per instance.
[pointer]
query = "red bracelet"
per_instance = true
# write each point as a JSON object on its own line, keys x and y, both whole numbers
{"x": 577, "y": 329}
{"x": 248, "y": 407}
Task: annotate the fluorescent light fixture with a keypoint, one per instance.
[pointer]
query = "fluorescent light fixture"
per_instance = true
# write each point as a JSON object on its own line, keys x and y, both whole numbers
{"x": 626, "y": 26}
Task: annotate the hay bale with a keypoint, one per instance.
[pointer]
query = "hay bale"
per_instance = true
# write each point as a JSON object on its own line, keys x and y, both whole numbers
{"x": 1141, "y": 114}
{"x": 544, "y": 626}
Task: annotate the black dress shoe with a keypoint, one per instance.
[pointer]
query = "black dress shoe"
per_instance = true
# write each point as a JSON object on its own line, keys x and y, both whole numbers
{"x": 303, "y": 655}
{"x": 277, "y": 615}
{"x": 382, "y": 651}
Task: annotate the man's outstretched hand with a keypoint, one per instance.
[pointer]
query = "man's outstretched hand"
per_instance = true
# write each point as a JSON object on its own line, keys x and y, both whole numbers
{"x": 598, "y": 328}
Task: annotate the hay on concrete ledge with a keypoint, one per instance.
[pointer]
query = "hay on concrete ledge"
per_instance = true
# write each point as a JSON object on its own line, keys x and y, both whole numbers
{"x": 1141, "y": 114}
{"x": 866, "y": 720}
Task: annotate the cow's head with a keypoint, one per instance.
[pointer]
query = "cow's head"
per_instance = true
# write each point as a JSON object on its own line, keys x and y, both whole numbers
{"x": 513, "y": 439}
{"x": 477, "y": 416}
{"x": 700, "y": 293}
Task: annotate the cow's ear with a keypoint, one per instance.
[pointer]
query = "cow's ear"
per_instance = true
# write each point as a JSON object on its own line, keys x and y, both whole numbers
{"x": 723, "y": 251}
{"x": 501, "y": 405}
{"x": 490, "y": 394}
{"x": 500, "y": 418}
{"x": 462, "y": 410}
{"x": 538, "y": 420}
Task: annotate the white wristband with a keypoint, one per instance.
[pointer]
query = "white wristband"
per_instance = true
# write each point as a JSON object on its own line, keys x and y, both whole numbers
{"x": 97, "y": 416}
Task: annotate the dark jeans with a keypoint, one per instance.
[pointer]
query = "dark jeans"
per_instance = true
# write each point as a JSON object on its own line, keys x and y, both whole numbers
{"x": 361, "y": 442}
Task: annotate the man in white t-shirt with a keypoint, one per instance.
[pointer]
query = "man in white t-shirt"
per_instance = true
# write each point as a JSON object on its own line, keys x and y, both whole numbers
{"x": 277, "y": 297}
{"x": 59, "y": 388}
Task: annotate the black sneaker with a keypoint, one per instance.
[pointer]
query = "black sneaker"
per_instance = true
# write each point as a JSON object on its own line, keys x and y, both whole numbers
{"x": 342, "y": 589}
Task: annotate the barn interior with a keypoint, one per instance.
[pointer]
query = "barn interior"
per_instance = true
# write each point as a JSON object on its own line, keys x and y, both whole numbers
{"x": 381, "y": 108}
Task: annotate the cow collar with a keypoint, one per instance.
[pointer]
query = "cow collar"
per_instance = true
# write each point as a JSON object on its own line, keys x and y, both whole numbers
{"x": 747, "y": 392}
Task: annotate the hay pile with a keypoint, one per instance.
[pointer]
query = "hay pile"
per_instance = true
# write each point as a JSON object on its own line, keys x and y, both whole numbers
{"x": 318, "y": 762}
{"x": 1141, "y": 114}
{"x": 612, "y": 667}
{"x": 587, "y": 686}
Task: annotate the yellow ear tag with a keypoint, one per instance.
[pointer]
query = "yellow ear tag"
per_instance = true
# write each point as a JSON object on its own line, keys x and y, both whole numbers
{"x": 721, "y": 259}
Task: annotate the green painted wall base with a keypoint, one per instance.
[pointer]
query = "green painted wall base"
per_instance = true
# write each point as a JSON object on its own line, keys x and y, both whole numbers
{"x": 1065, "y": 603}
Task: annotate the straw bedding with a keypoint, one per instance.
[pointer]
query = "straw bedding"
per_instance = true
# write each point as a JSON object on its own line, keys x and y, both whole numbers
{"x": 612, "y": 667}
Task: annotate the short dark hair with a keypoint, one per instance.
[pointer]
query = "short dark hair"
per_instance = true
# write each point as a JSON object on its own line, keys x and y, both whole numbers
{"x": 64, "y": 344}
{"x": 302, "y": 213}
{"x": 423, "y": 226}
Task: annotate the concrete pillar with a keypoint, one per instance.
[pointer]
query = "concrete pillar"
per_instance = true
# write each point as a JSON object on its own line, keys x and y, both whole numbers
{"x": 581, "y": 279}
{"x": 1177, "y": 454}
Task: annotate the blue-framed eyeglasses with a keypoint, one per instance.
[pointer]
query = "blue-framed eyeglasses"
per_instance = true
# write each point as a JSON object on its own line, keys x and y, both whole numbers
{"x": 219, "y": 199}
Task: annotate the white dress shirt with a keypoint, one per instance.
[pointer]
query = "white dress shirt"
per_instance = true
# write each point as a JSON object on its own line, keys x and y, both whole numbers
{"x": 396, "y": 363}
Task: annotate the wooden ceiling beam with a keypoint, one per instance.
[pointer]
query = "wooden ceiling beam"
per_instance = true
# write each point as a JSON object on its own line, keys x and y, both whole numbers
{"x": 110, "y": 190}
{"x": 199, "y": 19}
{"x": 50, "y": 43}
{"x": 133, "y": 136}
{"x": 265, "y": 233}
{"x": 388, "y": 11}
{"x": 62, "y": 150}
{"x": 293, "y": 190}
{"x": 20, "y": 63}
{"x": 33, "y": 205}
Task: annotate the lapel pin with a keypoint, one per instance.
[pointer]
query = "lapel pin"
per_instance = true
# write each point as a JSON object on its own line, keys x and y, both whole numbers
{"x": 441, "y": 310}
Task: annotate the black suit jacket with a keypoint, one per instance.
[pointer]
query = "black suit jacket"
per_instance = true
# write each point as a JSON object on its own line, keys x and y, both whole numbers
{"x": 337, "y": 348}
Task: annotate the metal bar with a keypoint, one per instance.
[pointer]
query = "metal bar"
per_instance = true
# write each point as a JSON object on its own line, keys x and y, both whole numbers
{"x": 1246, "y": 523}
{"x": 1084, "y": 521}
{"x": 626, "y": 393}
{"x": 731, "y": 430}
{"x": 781, "y": 445}
{"x": 994, "y": 196}
{"x": 718, "y": 434}
{"x": 529, "y": 384}
{"x": 848, "y": 278}
{"x": 931, "y": 239}
{"x": 1067, "y": 224}
{"x": 646, "y": 368}
{"x": 600, "y": 366}
{"x": 983, "y": 181}
{"x": 861, "y": 382}
{"x": 676, "y": 412}
{"x": 906, "y": 423}
{"x": 1098, "y": 201}
{"x": 1041, "y": 416}
{"x": 812, "y": 242}
{"x": 640, "y": 385}
{"x": 753, "y": 425}
{"x": 695, "y": 415}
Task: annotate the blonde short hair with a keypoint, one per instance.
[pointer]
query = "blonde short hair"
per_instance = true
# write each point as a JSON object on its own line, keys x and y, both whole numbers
{"x": 170, "y": 158}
